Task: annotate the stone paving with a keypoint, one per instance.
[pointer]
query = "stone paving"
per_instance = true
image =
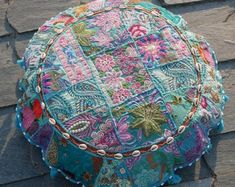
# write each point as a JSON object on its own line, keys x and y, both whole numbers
{"x": 21, "y": 164}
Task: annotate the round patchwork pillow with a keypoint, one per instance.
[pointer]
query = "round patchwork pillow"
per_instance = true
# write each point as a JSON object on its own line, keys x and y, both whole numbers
{"x": 119, "y": 93}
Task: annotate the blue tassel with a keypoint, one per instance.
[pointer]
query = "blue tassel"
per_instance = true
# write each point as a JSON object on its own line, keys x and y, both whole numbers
{"x": 17, "y": 123}
{"x": 176, "y": 179}
{"x": 220, "y": 127}
{"x": 21, "y": 63}
{"x": 53, "y": 172}
{"x": 209, "y": 146}
{"x": 18, "y": 118}
{"x": 226, "y": 98}
{"x": 17, "y": 126}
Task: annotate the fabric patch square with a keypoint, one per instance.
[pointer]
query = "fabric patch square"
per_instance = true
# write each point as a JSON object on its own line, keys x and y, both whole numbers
{"x": 79, "y": 165}
{"x": 54, "y": 77}
{"x": 117, "y": 172}
{"x": 212, "y": 100}
{"x": 97, "y": 127}
{"x": 101, "y": 33}
{"x": 43, "y": 136}
{"x": 179, "y": 105}
{"x": 177, "y": 44}
{"x": 71, "y": 57}
{"x": 143, "y": 119}
{"x": 29, "y": 80}
{"x": 150, "y": 169}
{"x": 158, "y": 23}
{"x": 137, "y": 23}
{"x": 75, "y": 100}
{"x": 190, "y": 147}
{"x": 162, "y": 47}
{"x": 174, "y": 75}
{"x": 122, "y": 73}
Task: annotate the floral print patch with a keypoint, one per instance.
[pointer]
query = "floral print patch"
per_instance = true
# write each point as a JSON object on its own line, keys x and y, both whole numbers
{"x": 137, "y": 23}
{"x": 152, "y": 47}
{"x": 101, "y": 33}
{"x": 146, "y": 117}
{"x": 122, "y": 73}
{"x": 71, "y": 57}
{"x": 163, "y": 47}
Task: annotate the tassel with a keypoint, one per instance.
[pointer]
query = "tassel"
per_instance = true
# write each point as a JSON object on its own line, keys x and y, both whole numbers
{"x": 220, "y": 127}
{"x": 175, "y": 179}
{"x": 21, "y": 63}
{"x": 17, "y": 123}
{"x": 209, "y": 147}
{"x": 53, "y": 172}
{"x": 226, "y": 98}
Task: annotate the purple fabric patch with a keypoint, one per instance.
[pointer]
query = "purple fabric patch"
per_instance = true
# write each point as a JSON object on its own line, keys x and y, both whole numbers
{"x": 43, "y": 136}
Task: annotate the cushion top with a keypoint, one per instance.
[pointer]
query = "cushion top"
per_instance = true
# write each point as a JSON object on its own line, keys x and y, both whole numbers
{"x": 106, "y": 77}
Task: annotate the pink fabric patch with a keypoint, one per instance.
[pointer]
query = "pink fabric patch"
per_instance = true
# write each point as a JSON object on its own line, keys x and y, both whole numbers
{"x": 28, "y": 117}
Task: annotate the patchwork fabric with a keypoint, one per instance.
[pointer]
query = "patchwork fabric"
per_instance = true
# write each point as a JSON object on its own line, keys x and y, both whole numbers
{"x": 119, "y": 93}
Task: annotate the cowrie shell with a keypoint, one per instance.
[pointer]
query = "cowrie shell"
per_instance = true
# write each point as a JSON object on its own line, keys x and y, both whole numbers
{"x": 66, "y": 135}
{"x": 183, "y": 37}
{"x": 155, "y": 12}
{"x": 38, "y": 89}
{"x": 51, "y": 42}
{"x": 190, "y": 115}
{"x": 20, "y": 101}
{"x": 39, "y": 70}
{"x": 199, "y": 88}
{"x": 89, "y": 14}
{"x": 196, "y": 102}
{"x": 170, "y": 140}
{"x": 154, "y": 148}
{"x": 52, "y": 121}
{"x": 108, "y": 8}
{"x": 82, "y": 146}
{"x": 198, "y": 67}
{"x": 101, "y": 152}
{"x": 58, "y": 31}
{"x": 42, "y": 105}
{"x": 181, "y": 129}
{"x": 118, "y": 156}
{"x": 136, "y": 153}
{"x": 194, "y": 51}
